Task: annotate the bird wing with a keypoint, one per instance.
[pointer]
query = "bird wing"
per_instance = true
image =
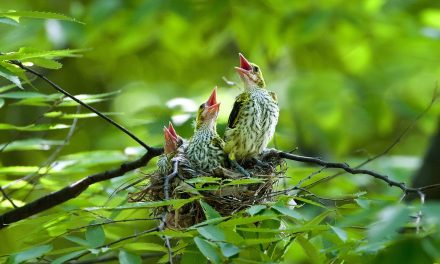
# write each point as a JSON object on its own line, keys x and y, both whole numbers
{"x": 274, "y": 96}
{"x": 233, "y": 116}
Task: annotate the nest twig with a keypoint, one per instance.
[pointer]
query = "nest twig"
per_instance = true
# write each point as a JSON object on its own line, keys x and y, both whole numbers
{"x": 228, "y": 193}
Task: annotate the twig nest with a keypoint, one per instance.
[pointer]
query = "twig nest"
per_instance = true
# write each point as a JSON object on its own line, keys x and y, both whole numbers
{"x": 225, "y": 190}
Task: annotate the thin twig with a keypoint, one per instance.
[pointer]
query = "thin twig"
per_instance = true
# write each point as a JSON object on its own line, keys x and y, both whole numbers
{"x": 114, "y": 242}
{"x": 434, "y": 99}
{"x": 7, "y": 197}
{"x": 61, "y": 90}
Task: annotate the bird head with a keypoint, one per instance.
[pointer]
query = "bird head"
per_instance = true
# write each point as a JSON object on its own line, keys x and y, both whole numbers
{"x": 208, "y": 111}
{"x": 250, "y": 73}
{"x": 172, "y": 140}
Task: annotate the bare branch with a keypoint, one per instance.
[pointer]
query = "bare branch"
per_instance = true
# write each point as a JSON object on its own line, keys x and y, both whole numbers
{"x": 61, "y": 90}
{"x": 347, "y": 168}
{"x": 73, "y": 190}
{"x": 7, "y": 197}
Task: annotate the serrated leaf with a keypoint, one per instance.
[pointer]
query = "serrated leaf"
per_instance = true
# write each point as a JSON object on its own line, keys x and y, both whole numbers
{"x": 16, "y": 15}
{"x": 209, "y": 211}
{"x": 95, "y": 236}
{"x": 29, "y": 254}
{"x": 129, "y": 258}
{"x": 208, "y": 249}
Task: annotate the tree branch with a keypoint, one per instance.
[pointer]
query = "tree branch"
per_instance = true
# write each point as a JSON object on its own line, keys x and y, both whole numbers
{"x": 91, "y": 108}
{"x": 73, "y": 190}
{"x": 347, "y": 168}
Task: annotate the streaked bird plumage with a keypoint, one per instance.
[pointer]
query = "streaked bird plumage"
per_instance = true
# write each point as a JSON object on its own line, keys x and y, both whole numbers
{"x": 205, "y": 148}
{"x": 254, "y": 116}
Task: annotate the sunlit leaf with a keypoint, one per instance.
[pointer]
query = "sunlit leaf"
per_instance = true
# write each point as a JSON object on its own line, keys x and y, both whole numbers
{"x": 16, "y": 15}
{"x": 39, "y": 127}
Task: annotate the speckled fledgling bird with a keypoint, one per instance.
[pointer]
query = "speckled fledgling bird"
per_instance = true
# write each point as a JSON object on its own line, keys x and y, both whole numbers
{"x": 171, "y": 145}
{"x": 205, "y": 148}
{"x": 253, "y": 118}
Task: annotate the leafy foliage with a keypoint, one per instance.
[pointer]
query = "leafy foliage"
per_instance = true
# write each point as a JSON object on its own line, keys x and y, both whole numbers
{"x": 349, "y": 76}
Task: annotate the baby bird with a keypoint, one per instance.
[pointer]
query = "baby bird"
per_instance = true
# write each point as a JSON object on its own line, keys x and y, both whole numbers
{"x": 253, "y": 118}
{"x": 205, "y": 148}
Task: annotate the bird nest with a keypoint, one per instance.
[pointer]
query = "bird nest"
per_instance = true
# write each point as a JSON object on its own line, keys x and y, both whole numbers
{"x": 225, "y": 190}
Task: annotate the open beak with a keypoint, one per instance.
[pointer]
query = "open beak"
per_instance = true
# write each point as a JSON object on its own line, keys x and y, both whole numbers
{"x": 171, "y": 129}
{"x": 212, "y": 106}
{"x": 170, "y": 141}
{"x": 245, "y": 67}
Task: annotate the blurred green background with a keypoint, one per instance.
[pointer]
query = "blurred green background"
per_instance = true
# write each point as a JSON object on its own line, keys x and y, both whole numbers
{"x": 350, "y": 76}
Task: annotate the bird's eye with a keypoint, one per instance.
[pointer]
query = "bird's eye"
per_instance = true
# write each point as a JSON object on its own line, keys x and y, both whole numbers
{"x": 256, "y": 69}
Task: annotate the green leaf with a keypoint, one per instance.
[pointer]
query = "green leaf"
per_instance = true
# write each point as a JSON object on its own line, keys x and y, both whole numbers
{"x": 31, "y": 144}
{"x": 18, "y": 170}
{"x": 69, "y": 256}
{"x": 209, "y": 211}
{"x": 7, "y": 74}
{"x": 95, "y": 236}
{"x": 204, "y": 180}
{"x": 33, "y": 127}
{"x": 25, "y": 54}
{"x": 129, "y": 258}
{"x": 78, "y": 241}
{"x": 246, "y": 220}
{"x": 390, "y": 219}
{"x": 208, "y": 249}
{"x": 176, "y": 203}
{"x": 287, "y": 211}
{"x": 16, "y": 15}
{"x": 2, "y": 102}
{"x": 244, "y": 181}
{"x": 255, "y": 209}
{"x": 228, "y": 250}
{"x": 340, "y": 233}
{"x": 29, "y": 254}
{"x": 143, "y": 246}
{"x": 302, "y": 199}
{"x": 216, "y": 233}
{"x": 310, "y": 250}
{"x": 46, "y": 63}
{"x": 22, "y": 95}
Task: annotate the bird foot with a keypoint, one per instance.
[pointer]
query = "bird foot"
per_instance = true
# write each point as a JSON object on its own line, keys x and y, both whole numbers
{"x": 262, "y": 164}
{"x": 240, "y": 169}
